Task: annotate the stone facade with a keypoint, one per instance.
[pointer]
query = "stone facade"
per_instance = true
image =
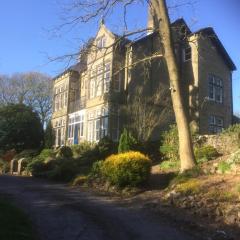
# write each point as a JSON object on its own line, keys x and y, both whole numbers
{"x": 111, "y": 87}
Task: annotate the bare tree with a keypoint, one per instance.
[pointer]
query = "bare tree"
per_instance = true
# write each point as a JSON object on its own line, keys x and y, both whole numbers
{"x": 146, "y": 113}
{"x": 86, "y": 10}
{"x": 32, "y": 88}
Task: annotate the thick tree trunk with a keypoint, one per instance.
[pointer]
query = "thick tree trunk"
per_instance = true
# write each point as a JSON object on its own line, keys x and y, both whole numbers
{"x": 185, "y": 142}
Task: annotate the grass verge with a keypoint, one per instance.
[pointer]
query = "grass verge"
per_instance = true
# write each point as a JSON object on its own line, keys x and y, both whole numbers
{"x": 14, "y": 224}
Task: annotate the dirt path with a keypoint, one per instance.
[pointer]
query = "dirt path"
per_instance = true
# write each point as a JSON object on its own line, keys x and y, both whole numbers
{"x": 63, "y": 213}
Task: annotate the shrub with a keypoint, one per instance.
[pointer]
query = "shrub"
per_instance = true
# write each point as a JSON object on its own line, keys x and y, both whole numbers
{"x": 169, "y": 144}
{"x": 192, "y": 186}
{"x": 185, "y": 176}
{"x": 235, "y": 128}
{"x": 81, "y": 148}
{"x": 235, "y": 158}
{"x": 221, "y": 195}
{"x": 4, "y": 166}
{"x": 106, "y": 147}
{"x": 36, "y": 166}
{"x": 205, "y": 153}
{"x": 64, "y": 152}
{"x": 223, "y": 167}
{"x": 49, "y": 136}
{"x": 28, "y": 153}
{"x": 126, "y": 169}
{"x": 170, "y": 165}
{"x": 238, "y": 188}
{"x": 149, "y": 148}
{"x": 63, "y": 170}
{"x": 96, "y": 170}
{"x": 8, "y": 155}
{"x": 80, "y": 180}
{"x": 47, "y": 153}
{"x": 127, "y": 142}
{"x": 88, "y": 157}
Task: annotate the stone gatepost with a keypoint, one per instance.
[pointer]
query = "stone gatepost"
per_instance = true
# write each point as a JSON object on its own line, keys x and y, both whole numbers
{"x": 21, "y": 165}
{"x": 14, "y": 166}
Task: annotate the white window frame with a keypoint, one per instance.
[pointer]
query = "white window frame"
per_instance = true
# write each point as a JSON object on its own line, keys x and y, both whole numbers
{"x": 216, "y": 124}
{"x": 92, "y": 89}
{"x": 117, "y": 82}
{"x": 215, "y": 88}
{"x": 75, "y": 119}
{"x": 101, "y": 42}
{"x": 97, "y": 124}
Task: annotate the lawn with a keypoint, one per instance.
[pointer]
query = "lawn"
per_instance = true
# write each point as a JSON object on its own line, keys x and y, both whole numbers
{"x": 14, "y": 224}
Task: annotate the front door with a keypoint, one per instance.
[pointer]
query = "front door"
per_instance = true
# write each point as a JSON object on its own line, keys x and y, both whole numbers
{"x": 76, "y": 131}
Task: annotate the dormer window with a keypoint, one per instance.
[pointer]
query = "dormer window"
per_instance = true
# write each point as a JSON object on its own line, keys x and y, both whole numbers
{"x": 187, "y": 54}
{"x": 101, "y": 42}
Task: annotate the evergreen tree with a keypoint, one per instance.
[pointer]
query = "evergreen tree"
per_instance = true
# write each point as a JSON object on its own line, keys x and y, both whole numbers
{"x": 127, "y": 142}
{"x": 49, "y": 136}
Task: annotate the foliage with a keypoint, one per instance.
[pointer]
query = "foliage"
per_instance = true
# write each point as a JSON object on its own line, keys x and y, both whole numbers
{"x": 4, "y": 166}
{"x": 88, "y": 157}
{"x": 63, "y": 170}
{"x": 185, "y": 176}
{"x": 205, "y": 153}
{"x": 96, "y": 170}
{"x": 32, "y": 89}
{"x": 235, "y": 128}
{"x": 234, "y": 158}
{"x": 49, "y": 136}
{"x": 15, "y": 225}
{"x": 103, "y": 149}
{"x": 149, "y": 148}
{"x": 80, "y": 180}
{"x": 238, "y": 188}
{"x": 191, "y": 186}
{"x": 8, "y": 155}
{"x": 20, "y": 128}
{"x": 64, "y": 152}
{"x": 81, "y": 148}
{"x": 169, "y": 144}
{"x": 144, "y": 113}
{"x": 36, "y": 166}
{"x": 126, "y": 142}
{"x": 223, "y": 167}
{"x": 47, "y": 153}
{"x": 106, "y": 147}
{"x": 28, "y": 153}
{"x": 170, "y": 165}
{"x": 222, "y": 195}
{"x": 126, "y": 169}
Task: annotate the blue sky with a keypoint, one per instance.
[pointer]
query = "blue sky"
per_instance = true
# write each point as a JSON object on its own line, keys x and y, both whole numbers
{"x": 25, "y": 41}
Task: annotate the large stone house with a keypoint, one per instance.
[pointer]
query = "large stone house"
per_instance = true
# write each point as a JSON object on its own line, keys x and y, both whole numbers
{"x": 118, "y": 82}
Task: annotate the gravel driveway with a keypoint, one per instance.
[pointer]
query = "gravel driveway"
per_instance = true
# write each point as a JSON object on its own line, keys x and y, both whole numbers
{"x": 62, "y": 213}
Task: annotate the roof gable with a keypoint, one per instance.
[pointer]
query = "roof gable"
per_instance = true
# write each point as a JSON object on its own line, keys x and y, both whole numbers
{"x": 210, "y": 33}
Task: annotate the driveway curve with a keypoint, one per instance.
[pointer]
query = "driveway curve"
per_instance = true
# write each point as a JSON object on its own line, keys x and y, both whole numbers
{"x": 63, "y": 213}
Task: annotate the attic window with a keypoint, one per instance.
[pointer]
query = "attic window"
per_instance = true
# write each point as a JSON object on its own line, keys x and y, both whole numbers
{"x": 101, "y": 42}
{"x": 187, "y": 54}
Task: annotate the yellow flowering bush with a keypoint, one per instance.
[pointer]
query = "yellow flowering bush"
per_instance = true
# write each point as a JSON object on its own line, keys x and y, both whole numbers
{"x": 126, "y": 169}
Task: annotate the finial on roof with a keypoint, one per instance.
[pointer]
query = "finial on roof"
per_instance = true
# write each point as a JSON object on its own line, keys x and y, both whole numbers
{"x": 102, "y": 22}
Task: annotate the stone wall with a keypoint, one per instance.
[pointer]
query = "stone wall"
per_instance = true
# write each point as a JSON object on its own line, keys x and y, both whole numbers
{"x": 224, "y": 143}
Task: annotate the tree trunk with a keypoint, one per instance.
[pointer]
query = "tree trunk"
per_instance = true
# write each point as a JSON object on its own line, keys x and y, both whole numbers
{"x": 185, "y": 142}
